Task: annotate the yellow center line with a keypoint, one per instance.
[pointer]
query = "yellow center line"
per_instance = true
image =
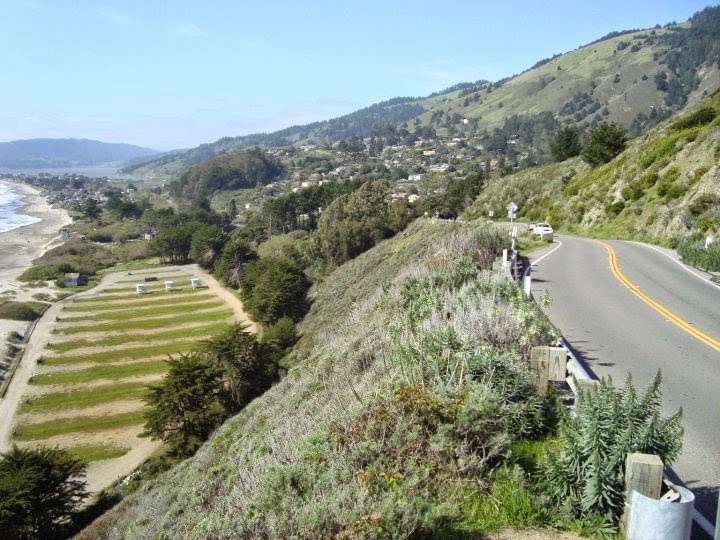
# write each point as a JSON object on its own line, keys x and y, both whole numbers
{"x": 677, "y": 321}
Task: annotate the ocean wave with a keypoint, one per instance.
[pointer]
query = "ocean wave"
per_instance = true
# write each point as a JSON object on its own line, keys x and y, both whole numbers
{"x": 10, "y": 202}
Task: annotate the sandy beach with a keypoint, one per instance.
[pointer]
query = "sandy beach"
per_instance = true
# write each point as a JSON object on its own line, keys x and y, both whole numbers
{"x": 18, "y": 247}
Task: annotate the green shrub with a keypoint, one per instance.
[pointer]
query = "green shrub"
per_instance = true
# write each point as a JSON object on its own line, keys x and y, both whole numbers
{"x": 632, "y": 192}
{"x": 697, "y": 175}
{"x": 22, "y": 311}
{"x": 649, "y": 179}
{"x": 698, "y": 118}
{"x": 45, "y": 272}
{"x": 692, "y": 250}
{"x": 703, "y": 203}
{"x": 586, "y": 473}
{"x": 615, "y": 208}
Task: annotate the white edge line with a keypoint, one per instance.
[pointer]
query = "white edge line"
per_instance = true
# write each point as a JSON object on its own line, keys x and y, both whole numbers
{"x": 703, "y": 523}
{"x": 676, "y": 261}
{"x": 548, "y": 253}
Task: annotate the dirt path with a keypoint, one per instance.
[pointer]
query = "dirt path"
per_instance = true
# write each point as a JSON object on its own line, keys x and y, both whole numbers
{"x": 232, "y": 300}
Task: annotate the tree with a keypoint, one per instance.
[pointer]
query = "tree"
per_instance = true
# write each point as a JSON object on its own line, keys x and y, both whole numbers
{"x": 236, "y": 253}
{"x": 207, "y": 386}
{"x": 354, "y": 223}
{"x": 603, "y": 143}
{"x": 566, "y": 144}
{"x": 173, "y": 243}
{"x": 41, "y": 490}
{"x": 272, "y": 288}
{"x": 248, "y": 368}
{"x": 188, "y": 405}
{"x": 206, "y": 245}
{"x": 91, "y": 209}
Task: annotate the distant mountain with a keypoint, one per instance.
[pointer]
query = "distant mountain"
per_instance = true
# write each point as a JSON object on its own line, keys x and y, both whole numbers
{"x": 58, "y": 153}
{"x": 636, "y": 78}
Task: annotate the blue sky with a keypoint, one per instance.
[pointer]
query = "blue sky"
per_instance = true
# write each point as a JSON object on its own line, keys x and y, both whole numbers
{"x": 170, "y": 74}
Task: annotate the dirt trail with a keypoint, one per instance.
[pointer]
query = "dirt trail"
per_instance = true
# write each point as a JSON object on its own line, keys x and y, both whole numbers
{"x": 232, "y": 300}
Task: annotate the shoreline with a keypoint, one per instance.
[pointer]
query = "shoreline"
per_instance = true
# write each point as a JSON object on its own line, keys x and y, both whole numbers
{"x": 21, "y": 245}
{"x": 18, "y": 248}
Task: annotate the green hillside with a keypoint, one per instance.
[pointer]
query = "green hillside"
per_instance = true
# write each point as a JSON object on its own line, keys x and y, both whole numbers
{"x": 635, "y": 78}
{"x": 663, "y": 187}
{"x": 389, "y": 424}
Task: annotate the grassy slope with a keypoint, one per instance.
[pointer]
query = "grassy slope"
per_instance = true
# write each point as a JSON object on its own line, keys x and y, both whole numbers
{"x": 344, "y": 362}
{"x": 647, "y": 192}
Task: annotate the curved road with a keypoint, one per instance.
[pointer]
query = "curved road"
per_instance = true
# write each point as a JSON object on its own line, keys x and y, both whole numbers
{"x": 617, "y": 333}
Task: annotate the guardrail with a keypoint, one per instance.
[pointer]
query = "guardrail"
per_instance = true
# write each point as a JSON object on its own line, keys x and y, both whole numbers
{"x": 579, "y": 376}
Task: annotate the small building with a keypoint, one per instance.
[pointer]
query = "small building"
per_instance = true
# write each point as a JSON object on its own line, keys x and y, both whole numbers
{"x": 74, "y": 279}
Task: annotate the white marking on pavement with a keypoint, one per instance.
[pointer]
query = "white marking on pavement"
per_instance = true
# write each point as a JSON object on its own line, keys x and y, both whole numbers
{"x": 679, "y": 263}
{"x": 548, "y": 253}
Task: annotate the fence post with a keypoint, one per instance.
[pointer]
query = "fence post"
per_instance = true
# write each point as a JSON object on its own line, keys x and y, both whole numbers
{"x": 643, "y": 473}
{"x": 527, "y": 284}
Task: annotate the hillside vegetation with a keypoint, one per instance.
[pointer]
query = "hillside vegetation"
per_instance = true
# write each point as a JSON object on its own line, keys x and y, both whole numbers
{"x": 390, "y": 423}
{"x": 234, "y": 170}
{"x": 634, "y": 78}
{"x": 664, "y": 187}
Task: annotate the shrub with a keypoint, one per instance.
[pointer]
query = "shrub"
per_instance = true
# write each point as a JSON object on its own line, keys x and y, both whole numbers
{"x": 21, "y": 311}
{"x": 586, "y": 473}
{"x": 698, "y": 118}
{"x": 281, "y": 336}
{"x": 632, "y": 192}
{"x": 649, "y": 179}
{"x": 615, "y": 208}
{"x": 693, "y": 251}
{"x": 697, "y": 175}
{"x": 703, "y": 203}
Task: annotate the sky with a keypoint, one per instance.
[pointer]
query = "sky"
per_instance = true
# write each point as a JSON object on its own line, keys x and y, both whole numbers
{"x": 174, "y": 74}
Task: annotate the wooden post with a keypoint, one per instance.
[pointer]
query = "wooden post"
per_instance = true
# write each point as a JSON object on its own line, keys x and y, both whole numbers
{"x": 548, "y": 364}
{"x": 540, "y": 366}
{"x": 643, "y": 473}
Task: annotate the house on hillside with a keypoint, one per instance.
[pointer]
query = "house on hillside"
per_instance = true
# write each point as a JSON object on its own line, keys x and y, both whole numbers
{"x": 74, "y": 279}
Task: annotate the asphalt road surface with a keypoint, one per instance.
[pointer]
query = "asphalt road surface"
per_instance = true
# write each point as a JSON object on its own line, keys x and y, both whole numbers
{"x": 670, "y": 322}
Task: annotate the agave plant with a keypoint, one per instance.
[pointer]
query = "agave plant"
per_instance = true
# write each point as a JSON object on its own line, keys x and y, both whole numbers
{"x": 586, "y": 472}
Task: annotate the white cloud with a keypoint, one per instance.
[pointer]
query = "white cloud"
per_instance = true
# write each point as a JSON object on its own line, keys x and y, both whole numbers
{"x": 188, "y": 30}
{"x": 114, "y": 16}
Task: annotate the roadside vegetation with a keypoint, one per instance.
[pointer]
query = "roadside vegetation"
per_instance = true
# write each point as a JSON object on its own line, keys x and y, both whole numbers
{"x": 407, "y": 407}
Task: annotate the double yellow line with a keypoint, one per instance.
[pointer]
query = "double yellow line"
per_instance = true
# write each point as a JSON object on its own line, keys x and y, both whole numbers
{"x": 677, "y": 321}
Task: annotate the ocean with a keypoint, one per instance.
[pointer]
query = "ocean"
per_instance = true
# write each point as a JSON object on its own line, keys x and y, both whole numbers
{"x": 11, "y": 201}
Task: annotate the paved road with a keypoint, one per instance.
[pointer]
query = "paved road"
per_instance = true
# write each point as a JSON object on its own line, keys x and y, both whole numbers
{"x": 617, "y": 333}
